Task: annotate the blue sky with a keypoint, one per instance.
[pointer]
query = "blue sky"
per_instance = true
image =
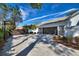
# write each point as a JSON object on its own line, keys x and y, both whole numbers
{"x": 48, "y": 11}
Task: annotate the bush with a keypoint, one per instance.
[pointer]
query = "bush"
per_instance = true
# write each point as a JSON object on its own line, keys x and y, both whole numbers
{"x": 1, "y": 34}
{"x": 63, "y": 39}
{"x": 57, "y": 38}
{"x": 1, "y": 38}
{"x": 2, "y": 42}
{"x": 76, "y": 39}
{"x": 69, "y": 40}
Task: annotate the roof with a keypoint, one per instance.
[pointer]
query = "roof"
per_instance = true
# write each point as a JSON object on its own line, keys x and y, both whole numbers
{"x": 19, "y": 28}
{"x": 54, "y": 20}
{"x": 72, "y": 14}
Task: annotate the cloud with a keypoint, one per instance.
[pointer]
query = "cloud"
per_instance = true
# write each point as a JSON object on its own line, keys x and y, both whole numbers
{"x": 54, "y": 14}
{"x": 67, "y": 11}
{"x": 24, "y": 14}
{"x": 42, "y": 17}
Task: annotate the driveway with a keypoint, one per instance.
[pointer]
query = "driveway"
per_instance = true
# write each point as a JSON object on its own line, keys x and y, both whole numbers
{"x": 36, "y": 45}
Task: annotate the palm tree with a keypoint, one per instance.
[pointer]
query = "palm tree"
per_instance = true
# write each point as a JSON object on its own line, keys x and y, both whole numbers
{"x": 5, "y": 9}
{"x": 16, "y": 15}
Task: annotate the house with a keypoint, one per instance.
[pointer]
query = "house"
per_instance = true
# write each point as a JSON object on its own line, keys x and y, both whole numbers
{"x": 33, "y": 31}
{"x": 66, "y": 25}
{"x": 54, "y": 26}
{"x": 19, "y": 30}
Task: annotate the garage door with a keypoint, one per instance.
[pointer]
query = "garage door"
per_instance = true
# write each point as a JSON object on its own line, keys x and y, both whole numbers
{"x": 50, "y": 30}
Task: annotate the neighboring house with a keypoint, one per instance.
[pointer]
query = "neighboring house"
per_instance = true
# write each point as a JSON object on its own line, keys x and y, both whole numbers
{"x": 19, "y": 31}
{"x": 67, "y": 25}
{"x": 33, "y": 31}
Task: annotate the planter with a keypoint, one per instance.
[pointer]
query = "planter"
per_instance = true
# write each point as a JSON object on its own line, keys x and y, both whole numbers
{"x": 57, "y": 39}
{"x": 76, "y": 44}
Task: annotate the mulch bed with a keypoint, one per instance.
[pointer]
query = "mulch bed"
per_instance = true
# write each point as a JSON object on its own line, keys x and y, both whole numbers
{"x": 65, "y": 42}
{"x": 71, "y": 45}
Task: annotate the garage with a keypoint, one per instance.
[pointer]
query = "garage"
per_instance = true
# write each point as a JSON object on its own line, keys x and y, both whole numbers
{"x": 50, "y": 30}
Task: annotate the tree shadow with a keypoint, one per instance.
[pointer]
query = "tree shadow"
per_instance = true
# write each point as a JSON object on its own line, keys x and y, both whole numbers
{"x": 7, "y": 47}
{"x": 20, "y": 42}
{"x": 63, "y": 51}
{"x": 45, "y": 39}
{"x": 27, "y": 49}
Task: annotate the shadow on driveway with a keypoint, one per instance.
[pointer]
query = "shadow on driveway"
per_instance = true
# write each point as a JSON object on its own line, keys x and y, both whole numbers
{"x": 27, "y": 49}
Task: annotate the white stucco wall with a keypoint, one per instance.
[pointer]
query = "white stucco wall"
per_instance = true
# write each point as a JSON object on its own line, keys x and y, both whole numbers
{"x": 34, "y": 31}
{"x": 74, "y": 27}
{"x": 74, "y": 20}
{"x": 67, "y": 24}
{"x": 76, "y": 31}
{"x": 54, "y": 24}
{"x": 62, "y": 23}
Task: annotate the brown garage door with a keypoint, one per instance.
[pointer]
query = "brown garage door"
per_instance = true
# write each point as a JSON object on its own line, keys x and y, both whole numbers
{"x": 50, "y": 30}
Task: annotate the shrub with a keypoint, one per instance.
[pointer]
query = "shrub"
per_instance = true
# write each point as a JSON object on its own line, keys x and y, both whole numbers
{"x": 2, "y": 42}
{"x": 1, "y": 34}
{"x": 1, "y": 38}
{"x": 57, "y": 38}
{"x": 76, "y": 39}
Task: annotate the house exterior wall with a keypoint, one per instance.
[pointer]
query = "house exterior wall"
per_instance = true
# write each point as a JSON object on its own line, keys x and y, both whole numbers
{"x": 67, "y": 27}
{"x": 74, "y": 20}
{"x": 71, "y": 27}
{"x": 72, "y": 31}
{"x": 49, "y": 28}
{"x": 40, "y": 30}
{"x": 60, "y": 30}
{"x": 54, "y": 24}
{"x": 75, "y": 31}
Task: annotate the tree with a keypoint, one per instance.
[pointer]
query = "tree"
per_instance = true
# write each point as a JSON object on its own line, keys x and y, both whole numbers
{"x": 5, "y": 9}
{"x": 33, "y": 27}
{"x": 36, "y": 5}
{"x": 16, "y": 15}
